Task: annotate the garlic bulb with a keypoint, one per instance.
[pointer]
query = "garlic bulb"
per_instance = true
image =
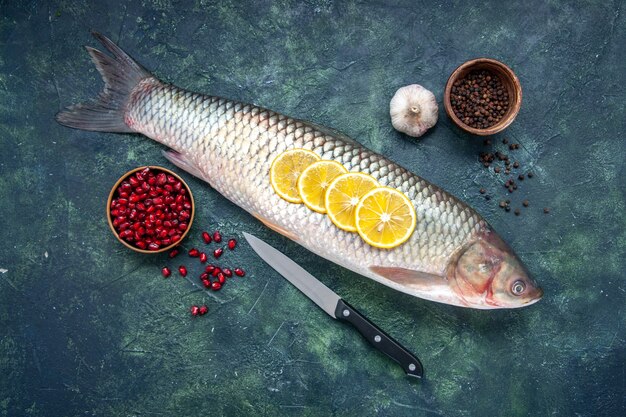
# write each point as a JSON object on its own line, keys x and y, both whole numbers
{"x": 413, "y": 110}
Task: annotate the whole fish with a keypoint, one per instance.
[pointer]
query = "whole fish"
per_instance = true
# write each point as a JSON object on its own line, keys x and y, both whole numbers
{"x": 453, "y": 256}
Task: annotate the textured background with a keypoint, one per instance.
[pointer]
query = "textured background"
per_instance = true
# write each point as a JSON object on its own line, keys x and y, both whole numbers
{"x": 90, "y": 328}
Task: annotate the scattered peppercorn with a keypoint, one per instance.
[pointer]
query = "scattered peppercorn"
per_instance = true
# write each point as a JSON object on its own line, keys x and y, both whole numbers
{"x": 516, "y": 164}
{"x": 517, "y": 212}
{"x": 529, "y": 175}
{"x": 479, "y": 99}
{"x": 505, "y": 141}
{"x": 546, "y": 210}
{"x": 497, "y": 170}
{"x": 483, "y": 191}
{"x": 525, "y": 203}
{"x": 520, "y": 177}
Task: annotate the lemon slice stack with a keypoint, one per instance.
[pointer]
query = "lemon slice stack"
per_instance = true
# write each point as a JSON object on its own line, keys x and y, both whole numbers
{"x": 355, "y": 202}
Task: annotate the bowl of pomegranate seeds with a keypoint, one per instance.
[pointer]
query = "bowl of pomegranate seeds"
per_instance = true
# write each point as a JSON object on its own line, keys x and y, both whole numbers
{"x": 150, "y": 209}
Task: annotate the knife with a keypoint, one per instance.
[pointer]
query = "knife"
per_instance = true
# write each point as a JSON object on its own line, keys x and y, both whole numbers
{"x": 334, "y": 306}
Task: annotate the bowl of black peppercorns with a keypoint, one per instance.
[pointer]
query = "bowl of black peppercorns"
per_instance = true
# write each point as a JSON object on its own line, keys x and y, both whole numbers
{"x": 483, "y": 96}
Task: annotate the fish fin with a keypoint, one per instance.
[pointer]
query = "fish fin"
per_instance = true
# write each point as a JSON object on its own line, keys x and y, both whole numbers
{"x": 276, "y": 228}
{"x": 408, "y": 277}
{"x": 105, "y": 113}
{"x": 182, "y": 162}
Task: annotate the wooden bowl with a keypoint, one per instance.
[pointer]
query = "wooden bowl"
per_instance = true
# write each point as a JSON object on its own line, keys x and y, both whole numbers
{"x": 127, "y": 175}
{"x": 510, "y": 82}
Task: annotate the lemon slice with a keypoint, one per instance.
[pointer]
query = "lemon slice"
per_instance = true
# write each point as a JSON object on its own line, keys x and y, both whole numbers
{"x": 285, "y": 170}
{"x": 343, "y": 195}
{"x": 385, "y": 218}
{"x": 314, "y": 181}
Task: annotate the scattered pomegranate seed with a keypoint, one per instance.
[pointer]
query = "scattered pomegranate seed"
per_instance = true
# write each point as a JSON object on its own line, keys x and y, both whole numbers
{"x": 218, "y": 252}
{"x": 194, "y": 253}
{"x": 215, "y": 285}
{"x": 203, "y": 257}
{"x": 221, "y": 278}
{"x": 204, "y": 276}
{"x": 231, "y": 244}
{"x": 217, "y": 237}
{"x": 195, "y": 310}
{"x": 203, "y": 310}
{"x": 166, "y": 271}
{"x": 227, "y": 272}
{"x": 215, "y": 272}
{"x": 206, "y": 283}
{"x": 206, "y": 237}
{"x": 209, "y": 268}
{"x": 240, "y": 272}
{"x": 183, "y": 270}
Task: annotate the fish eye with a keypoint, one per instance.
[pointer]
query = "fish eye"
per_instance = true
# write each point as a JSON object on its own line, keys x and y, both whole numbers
{"x": 518, "y": 287}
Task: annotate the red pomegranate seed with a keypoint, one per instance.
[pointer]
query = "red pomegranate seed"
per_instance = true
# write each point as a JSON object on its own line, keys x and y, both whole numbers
{"x": 231, "y": 244}
{"x": 240, "y": 272}
{"x": 182, "y": 270}
{"x": 215, "y": 285}
{"x": 203, "y": 310}
{"x": 206, "y": 237}
{"x": 154, "y": 246}
{"x": 218, "y": 252}
{"x": 203, "y": 257}
{"x": 141, "y": 244}
{"x": 206, "y": 283}
{"x": 195, "y": 310}
{"x": 221, "y": 278}
{"x": 166, "y": 271}
{"x": 217, "y": 237}
{"x": 227, "y": 272}
{"x": 209, "y": 268}
{"x": 204, "y": 276}
{"x": 215, "y": 272}
{"x": 194, "y": 253}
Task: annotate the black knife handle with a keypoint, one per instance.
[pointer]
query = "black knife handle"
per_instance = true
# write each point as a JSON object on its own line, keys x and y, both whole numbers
{"x": 379, "y": 339}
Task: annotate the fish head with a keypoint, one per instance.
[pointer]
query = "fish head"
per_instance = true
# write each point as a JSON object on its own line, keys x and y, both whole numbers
{"x": 487, "y": 274}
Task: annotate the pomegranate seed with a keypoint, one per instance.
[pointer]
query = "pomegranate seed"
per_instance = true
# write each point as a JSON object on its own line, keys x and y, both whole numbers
{"x": 203, "y": 257}
{"x": 215, "y": 272}
{"x": 204, "y": 276}
{"x": 221, "y": 278}
{"x": 240, "y": 272}
{"x": 217, "y": 237}
{"x": 194, "y": 253}
{"x": 165, "y": 271}
{"x": 231, "y": 244}
{"x": 182, "y": 270}
{"x": 227, "y": 272}
{"x": 209, "y": 268}
{"x": 206, "y": 237}
{"x": 215, "y": 285}
{"x": 154, "y": 246}
{"x": 206, "y": 283}
{"x": 203, "y": 310}
{"x": 195, "y": 310}
{"x": 218, "y": 252}
{"x": 141, "y": 244}
{"x": 161, "y": 179}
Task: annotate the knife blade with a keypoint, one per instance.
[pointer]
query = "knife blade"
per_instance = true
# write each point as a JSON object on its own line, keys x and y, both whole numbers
{"x": 334, "y": 306}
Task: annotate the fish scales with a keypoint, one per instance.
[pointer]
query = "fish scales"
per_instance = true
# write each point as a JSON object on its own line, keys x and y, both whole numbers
{"x": 453, "y": 256}
{"x": 230, "y": 141}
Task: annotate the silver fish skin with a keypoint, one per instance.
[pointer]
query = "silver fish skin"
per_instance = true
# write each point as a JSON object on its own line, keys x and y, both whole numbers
{"x": 453, "y": 257}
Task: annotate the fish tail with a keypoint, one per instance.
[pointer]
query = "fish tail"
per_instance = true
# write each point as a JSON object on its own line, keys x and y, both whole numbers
{"x": 105, "y": 113}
